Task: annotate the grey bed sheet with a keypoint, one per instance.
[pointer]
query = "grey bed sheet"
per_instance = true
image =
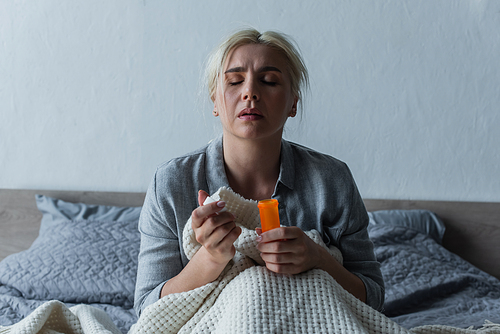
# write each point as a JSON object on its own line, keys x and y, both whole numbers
{"x": 428, "y": 285}
{"x": 76, "y": 262}
{"x": 84, "y": 254}
{"x": 425, "y": 283}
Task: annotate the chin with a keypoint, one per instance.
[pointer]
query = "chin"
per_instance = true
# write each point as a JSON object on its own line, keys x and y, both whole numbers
{"x": 254, "y": 133}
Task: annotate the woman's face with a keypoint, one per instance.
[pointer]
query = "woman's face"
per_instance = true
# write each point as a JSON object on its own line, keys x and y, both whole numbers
{"x": 254, "y": 96}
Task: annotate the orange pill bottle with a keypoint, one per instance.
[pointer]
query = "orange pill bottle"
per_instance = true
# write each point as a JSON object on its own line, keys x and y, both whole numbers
{"x": 269, "y": 215}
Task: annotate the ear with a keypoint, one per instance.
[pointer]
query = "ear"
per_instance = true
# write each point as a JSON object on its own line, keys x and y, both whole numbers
{"x": 215, "y": 112}
{"x": 293, "y": 112}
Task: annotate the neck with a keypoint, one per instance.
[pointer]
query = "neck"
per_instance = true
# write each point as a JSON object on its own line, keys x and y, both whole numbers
{"x": 252, "y": 166}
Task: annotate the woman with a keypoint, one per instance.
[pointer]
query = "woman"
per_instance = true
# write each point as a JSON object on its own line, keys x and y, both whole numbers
{"x": 255, "y": 82}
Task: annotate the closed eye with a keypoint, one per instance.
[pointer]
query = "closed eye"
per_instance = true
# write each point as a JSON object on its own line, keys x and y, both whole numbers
{"x": 269, "y": 83}
{"x": 234, "y": 83}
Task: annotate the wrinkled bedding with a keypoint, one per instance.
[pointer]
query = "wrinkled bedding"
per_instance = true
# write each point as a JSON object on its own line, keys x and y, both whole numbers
{"x": 84, "y": 254}
{"x": 92, "y": 259}
{"x": 95, "y": 265}
{"x": 427, "y": 284}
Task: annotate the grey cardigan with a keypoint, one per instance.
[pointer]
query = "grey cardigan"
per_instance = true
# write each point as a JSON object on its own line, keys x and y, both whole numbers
{"x": 315, "y": 191}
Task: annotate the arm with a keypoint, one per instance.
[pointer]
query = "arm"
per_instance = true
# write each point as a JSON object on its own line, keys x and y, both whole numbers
{"x": 161, "y": 270}
{"x": 336, "y": 210}
{"x": 201, "y": 270}
{"x": 159, "y": 246}
{"x": 216, "y": 232}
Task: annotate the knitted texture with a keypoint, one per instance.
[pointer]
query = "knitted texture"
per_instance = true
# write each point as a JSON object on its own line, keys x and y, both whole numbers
{"x": 248, "y": 298}
{"x": 55, "y": 317}
{"x": 247, "y": 217}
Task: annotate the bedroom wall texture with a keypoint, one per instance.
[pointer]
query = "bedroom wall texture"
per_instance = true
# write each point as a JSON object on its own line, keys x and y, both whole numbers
{"x": 94, "y": 95}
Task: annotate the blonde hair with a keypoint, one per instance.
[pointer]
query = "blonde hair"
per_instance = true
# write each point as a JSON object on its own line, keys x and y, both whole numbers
{"x": 278, "y": 41}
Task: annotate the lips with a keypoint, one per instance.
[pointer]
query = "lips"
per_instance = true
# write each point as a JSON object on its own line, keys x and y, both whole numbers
{"x": 250, "y": 114}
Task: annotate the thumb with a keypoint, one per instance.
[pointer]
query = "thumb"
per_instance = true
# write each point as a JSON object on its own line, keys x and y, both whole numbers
{"x": 202, "y": 196}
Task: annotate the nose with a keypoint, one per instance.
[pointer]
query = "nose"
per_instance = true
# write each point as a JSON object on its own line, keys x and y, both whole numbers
{"x": 251, "y": 91}
{"x": 250, "y": 97}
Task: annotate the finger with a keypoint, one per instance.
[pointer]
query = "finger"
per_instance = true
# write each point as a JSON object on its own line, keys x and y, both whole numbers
{"x": 207, "y": 200}
{"x": 278, "y": 258}
{"x": 202, "y": 196}
{"x": 286, "y": 263}
{"x": 218, "y": 220}
{"x": 275, "y": 247}
{"x": 283, "y": 268}
{"x": 223, "y": 236}
{"x": 281, "y": 233}
{"x": 210, "y": 229}
{"x": 202, "y": 213}
{"x": 232, "y": 235}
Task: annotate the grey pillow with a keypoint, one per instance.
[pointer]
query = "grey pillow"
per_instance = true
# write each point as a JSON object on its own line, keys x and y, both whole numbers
{"x": 55, "y": 211}
{"x": 424, "y": 221}
{"x": 83, "y": 254}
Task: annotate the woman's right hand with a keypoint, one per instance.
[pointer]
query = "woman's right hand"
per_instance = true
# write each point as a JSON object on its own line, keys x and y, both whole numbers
{"x": 215, "y": 230}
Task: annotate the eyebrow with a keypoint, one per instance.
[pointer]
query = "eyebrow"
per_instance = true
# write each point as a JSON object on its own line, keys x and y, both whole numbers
{"x": 262, "y": 69}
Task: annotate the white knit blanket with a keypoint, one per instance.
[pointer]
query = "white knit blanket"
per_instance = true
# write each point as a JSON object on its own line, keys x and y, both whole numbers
{"x": 246, "y": 298}
{"x": 54, "y": 317}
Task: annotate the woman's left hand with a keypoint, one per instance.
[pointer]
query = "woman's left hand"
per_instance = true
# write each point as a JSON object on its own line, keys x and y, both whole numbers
{"x": 288, "y": 250}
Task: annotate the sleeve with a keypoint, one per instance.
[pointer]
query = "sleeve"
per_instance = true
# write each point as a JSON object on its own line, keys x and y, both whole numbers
{"x": 357, "y": 249}
{"x": 159, "y": 255}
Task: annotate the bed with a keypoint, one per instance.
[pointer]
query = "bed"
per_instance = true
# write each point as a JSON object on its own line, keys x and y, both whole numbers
{"x": 440, "y": 260}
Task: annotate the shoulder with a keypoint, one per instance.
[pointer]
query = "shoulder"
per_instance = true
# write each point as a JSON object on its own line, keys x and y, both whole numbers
{"x": 181, "y": 173}
{"x": 305, "y": 157}
{"x": 183, "y": 163}
{"x": 316, "y": 172}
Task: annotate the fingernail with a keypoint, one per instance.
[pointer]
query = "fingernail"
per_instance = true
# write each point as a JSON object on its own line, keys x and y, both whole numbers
{"x": 259, "y": 238}
{"x": 221, "y": 204}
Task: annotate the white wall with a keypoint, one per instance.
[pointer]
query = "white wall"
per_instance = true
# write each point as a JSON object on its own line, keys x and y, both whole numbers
{"x": 94, "y": 95}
